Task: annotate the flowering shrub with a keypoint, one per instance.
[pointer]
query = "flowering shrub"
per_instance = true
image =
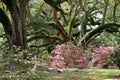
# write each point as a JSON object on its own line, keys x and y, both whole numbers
{"x": 82, "y": 62}
{"x": 101, "y": 55}
{"x": 58, "y": 61}
{"x": 67, "y": 55}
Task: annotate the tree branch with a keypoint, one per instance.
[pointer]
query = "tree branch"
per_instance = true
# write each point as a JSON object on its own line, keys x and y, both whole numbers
{"x": 95, "y": 32}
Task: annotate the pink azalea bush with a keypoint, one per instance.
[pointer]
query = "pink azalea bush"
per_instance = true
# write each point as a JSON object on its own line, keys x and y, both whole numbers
{"x": 82, "y": 62}
{"x": 57, "y": 61}
{"x": 101, "y": 55}
{"x": 67, "y": 55}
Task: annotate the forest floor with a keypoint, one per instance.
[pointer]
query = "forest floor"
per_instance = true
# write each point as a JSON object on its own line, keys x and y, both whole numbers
{"x": 86, "y": 74}
{"x": 67, "y": 74}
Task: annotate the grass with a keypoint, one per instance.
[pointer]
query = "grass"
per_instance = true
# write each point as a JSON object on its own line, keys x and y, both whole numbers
{"x": 85, "y": 74}
{"x": 68, "y": 74}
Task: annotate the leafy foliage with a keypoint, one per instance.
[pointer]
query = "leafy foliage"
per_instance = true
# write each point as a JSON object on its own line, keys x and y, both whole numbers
{"x": 115, "y": 60}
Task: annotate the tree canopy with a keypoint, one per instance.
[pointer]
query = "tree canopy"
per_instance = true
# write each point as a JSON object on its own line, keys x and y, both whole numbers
{"x": 54, "y": 22}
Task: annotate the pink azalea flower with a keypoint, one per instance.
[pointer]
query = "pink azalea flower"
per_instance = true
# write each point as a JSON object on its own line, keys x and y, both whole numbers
{"x": 101, "y": 55}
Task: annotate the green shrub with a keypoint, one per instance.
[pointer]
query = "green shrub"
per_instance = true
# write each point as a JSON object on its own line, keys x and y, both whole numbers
{"x": 115, "y": 58}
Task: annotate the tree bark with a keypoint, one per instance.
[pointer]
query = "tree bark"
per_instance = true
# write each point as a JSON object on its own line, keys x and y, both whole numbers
{"x": 7, "y": 26}
{"x": 18, "y": 14}
{"x": 95, "y": 32}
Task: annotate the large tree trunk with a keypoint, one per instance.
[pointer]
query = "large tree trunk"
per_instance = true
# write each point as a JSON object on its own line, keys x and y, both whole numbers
{"x": 18, "y": 14}
{"x": 7, "y": 26}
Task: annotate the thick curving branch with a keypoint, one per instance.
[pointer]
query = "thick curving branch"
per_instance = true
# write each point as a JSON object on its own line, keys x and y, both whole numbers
{"x": 95, "y": 32}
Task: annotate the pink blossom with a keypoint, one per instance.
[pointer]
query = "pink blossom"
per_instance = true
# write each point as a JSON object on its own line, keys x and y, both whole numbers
{"x": 65, "y": 54}
{"x": 101, "y": 55}
{"x": 57, "y": 57}
{"x": 58, "y": 63}
{"x": 82, "y": 62}
{"x": 59, "y": 49}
